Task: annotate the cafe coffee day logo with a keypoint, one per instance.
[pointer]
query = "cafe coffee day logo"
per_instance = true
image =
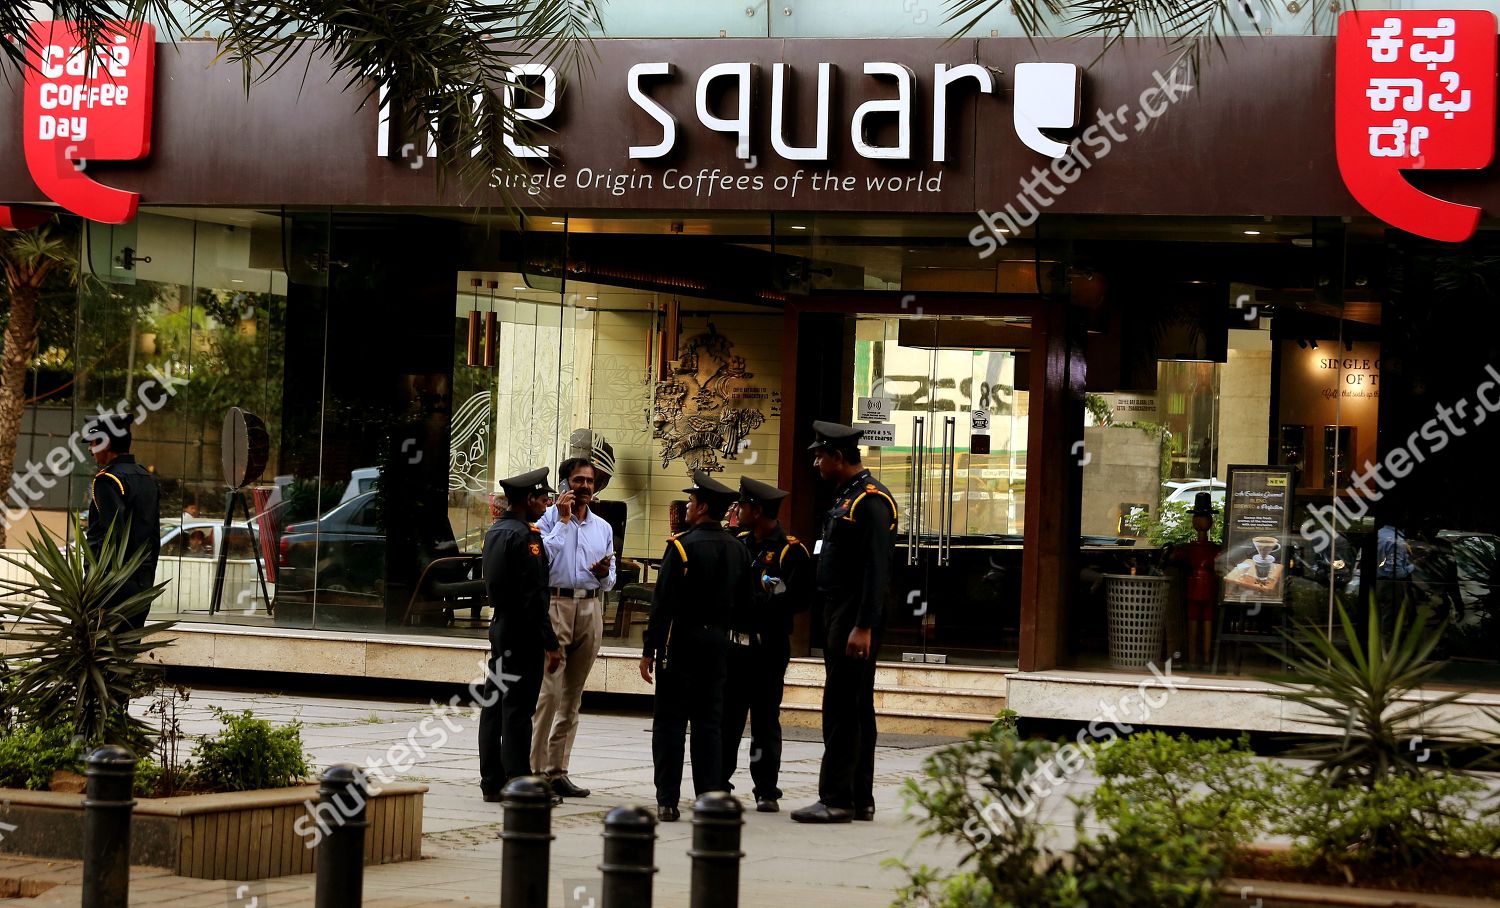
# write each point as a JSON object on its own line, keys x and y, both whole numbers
{"x": 84, "y": 105}
{"x": 1415, "y": 90}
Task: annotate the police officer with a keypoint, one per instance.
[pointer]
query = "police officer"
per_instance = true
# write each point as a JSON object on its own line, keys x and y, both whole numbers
{"x": 853, "y": 578}
{"x": 522, "y": 642}
{"x": 123, "y": 496}
{"x": 761, "y": 639}
{"x": 704, "y": 578}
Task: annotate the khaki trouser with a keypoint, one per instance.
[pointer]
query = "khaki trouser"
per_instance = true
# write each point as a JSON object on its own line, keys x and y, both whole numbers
{"x": 579, "y": 625}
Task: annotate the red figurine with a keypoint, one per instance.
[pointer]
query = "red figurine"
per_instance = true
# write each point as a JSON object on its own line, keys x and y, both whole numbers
{"x": 1199, "y": 562}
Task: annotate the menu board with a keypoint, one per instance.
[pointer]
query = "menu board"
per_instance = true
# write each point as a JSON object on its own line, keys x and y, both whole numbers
{"x": 1257, "y": 526}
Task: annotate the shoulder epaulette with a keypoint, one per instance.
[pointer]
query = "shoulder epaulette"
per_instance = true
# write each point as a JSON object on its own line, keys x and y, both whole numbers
{"x": 872, "y": 489}
{"x": 534, "y": 528}
{"x": 681, "y": 549}
{"x": 742, "y": 534}
{"x": 792, "y": 540}
{"x": 105, "y": 472}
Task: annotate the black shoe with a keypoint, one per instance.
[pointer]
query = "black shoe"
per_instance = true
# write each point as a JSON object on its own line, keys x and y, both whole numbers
{"x": 564, "y": 786}
{"x": 493, "y": 797}
{"x": 767, "y": 805}
{"x": 822, "y": 813}
{"x": 865, "y": 814}
{"x": 667, "y": 813}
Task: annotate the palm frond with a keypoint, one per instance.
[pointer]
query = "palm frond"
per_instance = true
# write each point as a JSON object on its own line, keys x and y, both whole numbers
{"x": 81, "y": 659}
{"x": 1364, "y": 696}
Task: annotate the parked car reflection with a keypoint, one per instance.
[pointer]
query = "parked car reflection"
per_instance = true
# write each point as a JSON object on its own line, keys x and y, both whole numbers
{"x": 340, "y": 557}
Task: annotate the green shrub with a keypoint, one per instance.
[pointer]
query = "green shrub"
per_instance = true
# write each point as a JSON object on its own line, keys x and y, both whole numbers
{"x": 148, "y": 779}
{"x": 1403, "y": 819}
{"x": 250, "y": 753}
{"x": 1167, "y": 834}
{"x": 1213, "y": 789}
{"x": 29, "y": 755}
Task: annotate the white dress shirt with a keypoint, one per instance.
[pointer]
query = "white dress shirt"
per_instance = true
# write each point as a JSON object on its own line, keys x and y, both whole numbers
{"x": 573, "y": 547}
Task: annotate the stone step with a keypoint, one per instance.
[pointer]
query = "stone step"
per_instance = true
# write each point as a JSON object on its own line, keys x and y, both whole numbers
{"x": 980, "y": 705}
{"x": 804, "y": 715}
{"x": 914, "y": 675}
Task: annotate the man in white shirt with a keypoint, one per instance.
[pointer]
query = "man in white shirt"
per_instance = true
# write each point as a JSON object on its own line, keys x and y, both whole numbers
{"x": 581, "y": 547}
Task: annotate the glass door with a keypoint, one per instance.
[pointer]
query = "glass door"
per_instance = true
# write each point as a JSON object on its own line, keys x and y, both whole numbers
{"x": 956, "y": 467}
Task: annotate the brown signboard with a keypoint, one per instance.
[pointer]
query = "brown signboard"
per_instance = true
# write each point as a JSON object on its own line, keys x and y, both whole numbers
{"x": 1255, "y": 137}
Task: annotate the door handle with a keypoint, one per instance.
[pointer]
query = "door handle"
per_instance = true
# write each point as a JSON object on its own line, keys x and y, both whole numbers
{"x": 950, "y": 468}
{"x": 918, "y": 427}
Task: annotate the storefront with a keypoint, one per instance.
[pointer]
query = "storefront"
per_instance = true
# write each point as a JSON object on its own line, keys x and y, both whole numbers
{"x": 721, "y": 241}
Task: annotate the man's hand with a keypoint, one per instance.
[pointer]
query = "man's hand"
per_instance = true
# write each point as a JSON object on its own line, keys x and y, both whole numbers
{"x": 859, "y": 644}
{"x": 554, "y": 660}
{"x": 565, "y": 507}
{"x": 646, "y": 664}
{"x": 600, "y": 568}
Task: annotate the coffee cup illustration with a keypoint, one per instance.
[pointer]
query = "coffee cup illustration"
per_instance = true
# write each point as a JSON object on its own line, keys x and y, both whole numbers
{"x": 1266, "y": 548}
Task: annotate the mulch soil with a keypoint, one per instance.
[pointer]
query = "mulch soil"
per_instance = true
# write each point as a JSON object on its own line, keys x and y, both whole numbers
{"x": 1472, "y": 877}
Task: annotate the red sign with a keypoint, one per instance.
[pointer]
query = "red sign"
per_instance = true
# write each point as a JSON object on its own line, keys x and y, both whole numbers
{"x": 1415, "y": 90}
{"x": 85, "y": 105}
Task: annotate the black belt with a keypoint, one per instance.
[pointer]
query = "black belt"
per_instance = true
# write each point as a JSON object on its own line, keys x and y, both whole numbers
{"x": 566, "y": 593}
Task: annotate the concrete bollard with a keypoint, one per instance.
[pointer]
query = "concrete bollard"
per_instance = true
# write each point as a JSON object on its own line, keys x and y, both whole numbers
{"x": 107, "y": 802}
{"x": 629, "y": 853}
{"x": 526, "y": 843}
{"x": 716, "y": 854}
{"x": 341, "y": 853}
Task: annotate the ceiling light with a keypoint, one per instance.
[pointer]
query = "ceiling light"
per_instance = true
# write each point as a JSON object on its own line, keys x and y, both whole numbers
{"x": 591, "y": 297}
{"x": 1252, "y": 233}
{"x": 558, "y": 223}
{"x": 1313, "y": 343}
{"x": 522, "y": 289}
{"x": 235, "y": 280}
{"x": 799, "y": 227}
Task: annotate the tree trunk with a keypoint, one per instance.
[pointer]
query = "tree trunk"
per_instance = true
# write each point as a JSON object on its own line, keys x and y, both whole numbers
{"x": 20, "y": 347}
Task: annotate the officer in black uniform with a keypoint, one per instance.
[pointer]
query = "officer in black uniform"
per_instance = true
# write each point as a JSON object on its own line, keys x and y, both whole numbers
{"x": 704, "y": 578}
{"x": 522, "y": 642}
{"x": 853, "y": 579}
{"x": 761, "y": 639}
{"x": 123, "y": 496}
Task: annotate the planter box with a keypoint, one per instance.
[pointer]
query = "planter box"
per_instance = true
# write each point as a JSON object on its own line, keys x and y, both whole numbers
{"x": 247, "y": 835}
{"x": 1245, "y": 893}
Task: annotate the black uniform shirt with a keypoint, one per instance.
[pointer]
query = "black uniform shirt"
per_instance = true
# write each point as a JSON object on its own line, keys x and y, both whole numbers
{"x": 786, "y": 558}
{"x": 704, "y": 578}
{"x": 515, "y": 578}
{"x": 854, "y": 562}
{"x": 125, "y": 495}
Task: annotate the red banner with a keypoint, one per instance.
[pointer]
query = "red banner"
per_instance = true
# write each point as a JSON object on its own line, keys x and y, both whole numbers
{"x": 85, "y": 105}
{"x": 1415, "y": 90}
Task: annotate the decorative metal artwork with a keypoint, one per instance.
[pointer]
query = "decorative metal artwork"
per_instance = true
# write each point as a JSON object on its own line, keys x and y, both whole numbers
{"x": 469, "y": 447}
{"x": 693, "y": 415}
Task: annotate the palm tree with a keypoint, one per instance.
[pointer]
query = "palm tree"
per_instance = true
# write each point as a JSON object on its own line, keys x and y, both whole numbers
{"x": 441, "y": 61}
{"x": 1192, "y": 26}
{"x": 27, "y": 259}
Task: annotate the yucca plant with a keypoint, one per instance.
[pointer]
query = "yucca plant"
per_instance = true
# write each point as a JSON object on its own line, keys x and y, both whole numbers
{"x": 1359, "y": 694}
{"x": 83, "y": 661}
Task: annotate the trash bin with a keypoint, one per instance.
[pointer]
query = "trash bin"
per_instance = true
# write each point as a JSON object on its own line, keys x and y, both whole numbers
{"x": 1137, "y": 615}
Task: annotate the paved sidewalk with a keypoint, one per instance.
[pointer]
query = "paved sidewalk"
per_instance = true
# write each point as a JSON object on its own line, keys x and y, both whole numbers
{"x": 785, "y": 862}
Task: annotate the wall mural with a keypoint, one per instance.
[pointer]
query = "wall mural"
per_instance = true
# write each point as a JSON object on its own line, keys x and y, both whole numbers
{"x": 694, "y": 414}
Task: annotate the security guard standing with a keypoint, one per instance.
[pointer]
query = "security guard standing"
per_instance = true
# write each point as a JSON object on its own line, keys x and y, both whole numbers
{"x": 123, "y": 496}
{"x": 853, "y": 579}
{"x": 761, "y": 639}
{"x": 522, "y": 642}
{"x": 704, "y": 578}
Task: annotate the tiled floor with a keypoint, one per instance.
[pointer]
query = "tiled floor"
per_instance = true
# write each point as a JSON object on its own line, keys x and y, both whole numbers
{"x": 785, "y": 863}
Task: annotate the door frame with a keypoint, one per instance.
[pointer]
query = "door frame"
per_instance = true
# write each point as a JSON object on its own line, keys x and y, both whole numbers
{"x": 1055, "y": 421}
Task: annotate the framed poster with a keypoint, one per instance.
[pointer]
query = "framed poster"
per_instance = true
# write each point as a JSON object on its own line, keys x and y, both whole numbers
{"x": 1257, "y": 527}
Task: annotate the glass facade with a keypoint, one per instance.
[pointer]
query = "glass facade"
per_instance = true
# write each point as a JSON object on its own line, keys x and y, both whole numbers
{"x": 403, "y": 363}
